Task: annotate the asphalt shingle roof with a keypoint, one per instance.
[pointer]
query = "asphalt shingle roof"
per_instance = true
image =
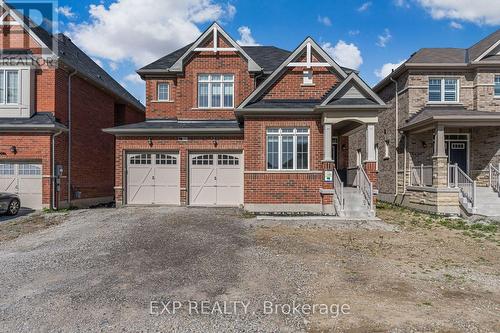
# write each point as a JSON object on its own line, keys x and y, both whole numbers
{"x": 439, "y": 55}
{"x": 38, "y": 120}
{"x": 180, "y": 126}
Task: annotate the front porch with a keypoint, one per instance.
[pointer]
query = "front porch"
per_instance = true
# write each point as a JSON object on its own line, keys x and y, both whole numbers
{"x": 453, "y": 165}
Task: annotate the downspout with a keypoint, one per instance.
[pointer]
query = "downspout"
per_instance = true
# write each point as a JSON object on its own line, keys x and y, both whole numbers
{"x": 53, "y": 158}
{"x": 396, "y": 137}
{"x": 404, "y": 164}
{"x": 69, "y": 136}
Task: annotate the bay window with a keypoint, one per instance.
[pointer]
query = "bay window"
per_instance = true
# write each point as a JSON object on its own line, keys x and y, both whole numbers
{"x": 287, "y": 148}
{"x": 216, "y": 91}
{"x": 9, "y": 87}
{"x": 443, "y": 90}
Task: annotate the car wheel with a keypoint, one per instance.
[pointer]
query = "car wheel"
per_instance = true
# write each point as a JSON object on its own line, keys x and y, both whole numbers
{"x": 14, "y": 206}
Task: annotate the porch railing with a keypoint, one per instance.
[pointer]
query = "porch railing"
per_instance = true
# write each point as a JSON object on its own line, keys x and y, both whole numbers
{"x": 495, "y": 178}
{"x": 338, "y": 188}
{"x": 365, "y": 185}
{"x": 458, "y": 178}
{"x": 421, "y": 175}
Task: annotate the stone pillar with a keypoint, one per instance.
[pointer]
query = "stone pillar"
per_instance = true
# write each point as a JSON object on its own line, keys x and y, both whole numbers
{"x": 439, "y": 160}
{"x": 327, "y": 142}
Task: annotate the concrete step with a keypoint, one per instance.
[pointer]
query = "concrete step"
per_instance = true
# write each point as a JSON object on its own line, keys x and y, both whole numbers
{"x": 355, "y": 204}
{"x": 487, "y": 202}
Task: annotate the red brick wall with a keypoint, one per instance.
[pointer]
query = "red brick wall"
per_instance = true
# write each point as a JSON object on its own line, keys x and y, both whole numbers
{"x": 183, "y": 90}
{"x": 276, "y": 187}
{"x": 134, "y": 144}
{"x": 14, "y": 37}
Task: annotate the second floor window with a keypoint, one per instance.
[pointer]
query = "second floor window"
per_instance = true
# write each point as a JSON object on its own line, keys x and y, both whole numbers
{"x": 216, "y": 91}
{"x": 9, "y": 87}
{"x": 163, "y": 92}
{"x": 443, "y": 90}
{"x": 497, "y": 85}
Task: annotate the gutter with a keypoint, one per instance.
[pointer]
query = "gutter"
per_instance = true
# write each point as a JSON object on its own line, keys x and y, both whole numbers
{"x": 69, "y": 135}
{"x": 145, "y": 131}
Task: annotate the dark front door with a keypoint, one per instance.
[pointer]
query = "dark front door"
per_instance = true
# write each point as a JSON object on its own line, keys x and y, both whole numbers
{"x": 457, "y": 154}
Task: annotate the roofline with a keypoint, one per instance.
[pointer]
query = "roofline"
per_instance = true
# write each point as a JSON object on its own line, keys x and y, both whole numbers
{"x": 452, "y": 119}
{"x": 192, "y": 131}
{"x": 358, "y": 106}
{"x": 364, "y": 86}
{"x": 50, "y": 128}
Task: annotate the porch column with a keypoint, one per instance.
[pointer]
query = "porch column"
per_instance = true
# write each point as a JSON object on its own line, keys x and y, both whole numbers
{"x": 327, "y": 142}
{"x": 439, "y": 160}
{"x": 370, "y": 164}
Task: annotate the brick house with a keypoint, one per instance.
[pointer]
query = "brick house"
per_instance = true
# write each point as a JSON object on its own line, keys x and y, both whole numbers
{"x": 54, "y": 101}
{"x": 252, "y": 126}
{"x": 440, "y": 138}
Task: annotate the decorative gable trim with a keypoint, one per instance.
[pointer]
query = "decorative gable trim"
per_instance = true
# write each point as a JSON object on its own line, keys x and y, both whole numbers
{"x": 353, "y": 77}
{"x": 309, "y": 44}
{"x": 19, "y": 21}
{"x": 215, "y": 29}
{"x": 485, "y": 53}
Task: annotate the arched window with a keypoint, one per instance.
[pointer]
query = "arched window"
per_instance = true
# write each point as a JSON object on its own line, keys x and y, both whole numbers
{"x": 164, "y": 159}
{"x": 223, "y": 159}
{"x": 207, "y": 159}
{"x": 140, "y": 159}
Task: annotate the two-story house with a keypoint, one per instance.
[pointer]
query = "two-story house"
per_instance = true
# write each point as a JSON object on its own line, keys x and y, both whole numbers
{"x": 258, "y": 126}
{"x": 439, "y": 140}
{"x": 54, "y": 101}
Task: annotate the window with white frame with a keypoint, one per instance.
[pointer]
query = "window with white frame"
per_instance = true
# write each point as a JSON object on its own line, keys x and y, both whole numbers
{"x": 287, "y": 148}
{"x": 163, "y": 91}
{"x": 307, "y": 77}
{"x": 9, "y": 86}
{"x": 216, "y": 91}
{"x": 443, "y": 90}
{"x": 497, "y": 86}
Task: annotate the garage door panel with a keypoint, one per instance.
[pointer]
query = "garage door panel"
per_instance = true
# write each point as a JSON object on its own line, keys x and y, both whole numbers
{"x": 23, "y": 179}
{"x": 153, "y": 179}
{"x": 216, "y": 179}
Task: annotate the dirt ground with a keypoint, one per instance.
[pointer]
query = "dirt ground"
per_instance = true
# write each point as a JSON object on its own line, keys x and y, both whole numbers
{"x": 97, "y": 270}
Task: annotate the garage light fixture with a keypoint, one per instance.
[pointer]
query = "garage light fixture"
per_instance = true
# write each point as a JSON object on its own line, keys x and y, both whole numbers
{"x": 13, "y": 149}
{"x": 150, "y": 141}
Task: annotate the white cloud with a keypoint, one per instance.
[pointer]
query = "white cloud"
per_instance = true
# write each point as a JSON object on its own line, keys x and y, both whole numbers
{"x": 246, "y": 38}
{"x": 134, "y": 78}
{"x": 344, "y": 54}
{"x": 144, "y": 30}
{"x": 365, "y": 6}
{"x": 386, "y": 69}
{"x": 113, "y": 65}
{"x": 402, "y": 3}
{"x": 325, "y": 20}
{"x": 66, "y": 11}
{"x": 477, "y": 11}
{"x": 354, "y": 32}
{"x": 385, "y": 38}
{"x": 456, "y": 25}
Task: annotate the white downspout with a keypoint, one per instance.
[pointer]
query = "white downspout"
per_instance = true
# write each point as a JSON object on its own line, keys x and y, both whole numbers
{"x": 69, "y": 136}
{"x": 53, "y": 157}
{"x": 396, "y": 138}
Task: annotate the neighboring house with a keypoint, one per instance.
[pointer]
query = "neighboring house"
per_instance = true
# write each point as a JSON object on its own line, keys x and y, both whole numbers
{"x": 439, "y": 141}
{"x": 54, "y": 101}
{"x": 231, "y": 125}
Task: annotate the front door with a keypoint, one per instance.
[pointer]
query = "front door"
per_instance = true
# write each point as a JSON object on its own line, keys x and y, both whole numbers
{"x": 457, "y": 154}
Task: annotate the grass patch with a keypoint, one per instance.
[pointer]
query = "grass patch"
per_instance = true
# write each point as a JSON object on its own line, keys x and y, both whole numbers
{"x": 61, "y": 210}
{"x": 406, "y": 217}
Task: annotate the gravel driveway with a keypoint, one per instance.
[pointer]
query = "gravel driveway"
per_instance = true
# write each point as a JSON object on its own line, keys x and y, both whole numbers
{"x": 101, "y": 269}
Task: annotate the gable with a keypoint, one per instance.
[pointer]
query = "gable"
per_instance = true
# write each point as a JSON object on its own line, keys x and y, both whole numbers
{"x": 287, "y": 82}
{"x": 353, "y": 92}
{"x": 215, "y": 40}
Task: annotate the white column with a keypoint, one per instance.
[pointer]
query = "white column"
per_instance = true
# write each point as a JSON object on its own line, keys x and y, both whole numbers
{"x": 370, "y": 142}
{"x": 327, "y": 142}
{"x": 439, "y": 143}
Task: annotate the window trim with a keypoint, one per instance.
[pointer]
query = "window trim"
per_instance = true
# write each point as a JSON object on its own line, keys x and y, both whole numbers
{"x": 387, "y": 150}
{"x": 3, "y": 72}
{"x": 158, "y": 84}
{"x": 280, "y": 134}
{"x": 210, "y": 82}
{"x": 497, "y": 76}
{"x": 443, "y": 80}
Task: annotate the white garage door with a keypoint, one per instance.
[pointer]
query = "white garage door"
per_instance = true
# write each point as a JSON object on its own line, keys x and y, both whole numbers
{"x": 24, "y": 179}
{"x": 216, "y": 179}
{"x": 153, "y": 179}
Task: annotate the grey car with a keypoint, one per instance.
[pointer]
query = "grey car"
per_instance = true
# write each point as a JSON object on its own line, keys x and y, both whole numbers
{"x": 9, "y": 203}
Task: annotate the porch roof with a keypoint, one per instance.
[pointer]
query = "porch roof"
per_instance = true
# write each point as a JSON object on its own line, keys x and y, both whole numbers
{"x": 39, "y": 122}
{"x": 450, "y": 116}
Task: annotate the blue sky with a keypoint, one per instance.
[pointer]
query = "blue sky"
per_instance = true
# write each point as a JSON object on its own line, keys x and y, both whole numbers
{"x": 126, "y": 34}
